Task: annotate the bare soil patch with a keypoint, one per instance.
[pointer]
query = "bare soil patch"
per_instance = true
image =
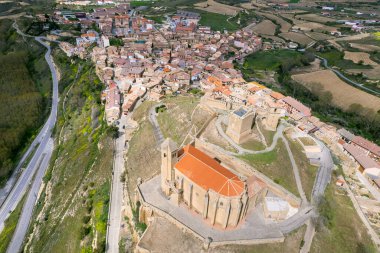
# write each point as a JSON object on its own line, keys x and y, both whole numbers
{"x": 359, "y": 57}
{"x": 320, "y": 36}
{"x": 300, "y": 38}
{"x": 266, "y": 27}
{"x": 370, "y": 73}
{"x": 343, "y": 94}
{"x": 285, "y": 26}
{"x": 274, "y": 38}
{"x": 314, "y": 66}
{"x": 308, "y": 26}
{"x": 365, "y": 47}
{"x": 215, "y": 7}
{"x": 315, "y": 18}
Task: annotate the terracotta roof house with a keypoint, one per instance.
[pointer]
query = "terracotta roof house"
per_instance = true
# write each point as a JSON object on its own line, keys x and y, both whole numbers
{"x": 294, "y": 106}
{"x": 367, "y": 145}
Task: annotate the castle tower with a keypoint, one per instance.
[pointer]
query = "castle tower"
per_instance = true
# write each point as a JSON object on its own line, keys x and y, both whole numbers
{"x": 168, "y": 160}
{"x": 240, "y": 124}
{"x": 272, "y": 118}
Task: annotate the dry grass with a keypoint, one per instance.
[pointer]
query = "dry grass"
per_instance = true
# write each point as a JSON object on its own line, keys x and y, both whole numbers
{"x": 370, "y": 73}
{"x": 274, "y": 38}
{"x": 359, "y": 56}
{"x": 266, "y": 27}
{"x": 343, "y": 94}
{"x": 365, "y": 47}
{"x": 215, "y": 7}
{"x": 211, "y": 135}
{"x": 315, "y": 18}
{"x": 300, "y": 38}
{"x": 290, "y": 245}
{"x": 308, "y": 26}
{"x": 320, "y": 36}
{"x": 307, "y": 141}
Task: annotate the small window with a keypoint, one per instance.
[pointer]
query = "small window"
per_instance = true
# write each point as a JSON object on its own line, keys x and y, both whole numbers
{"x": 164, "y": 154}
{"x": 220, "y": 203}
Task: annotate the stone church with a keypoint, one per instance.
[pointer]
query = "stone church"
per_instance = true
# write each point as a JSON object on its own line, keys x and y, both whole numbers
{"x": 192, "y": 178}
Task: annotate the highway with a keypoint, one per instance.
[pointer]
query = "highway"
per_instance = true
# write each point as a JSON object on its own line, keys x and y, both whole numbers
{"x": 37, "y": 165}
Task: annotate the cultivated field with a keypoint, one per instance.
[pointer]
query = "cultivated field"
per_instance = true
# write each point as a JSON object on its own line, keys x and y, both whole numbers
{"x": 308, "y": 26}
{"x": 359, "y": 56}
{"x": 315, "y": 18}
{"x": 373, "y": 73}
{"x": 265, "y": 27}
{"x": 343, "y": 94}
{"x": 285, "y": 26}
{"x": 300, "y": 38}
{"x": 215, "y": 7}
{"x": 320, "y": 36}
{"x": 274, "y": 38}
{"x": 365, "y": 47}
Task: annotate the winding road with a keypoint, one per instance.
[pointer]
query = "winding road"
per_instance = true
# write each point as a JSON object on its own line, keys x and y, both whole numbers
{"x": 360, "y": 85}
{"x": 37, "y": 165}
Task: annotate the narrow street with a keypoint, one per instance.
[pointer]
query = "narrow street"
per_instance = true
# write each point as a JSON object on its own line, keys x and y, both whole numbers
{"x": 116, "y": 202}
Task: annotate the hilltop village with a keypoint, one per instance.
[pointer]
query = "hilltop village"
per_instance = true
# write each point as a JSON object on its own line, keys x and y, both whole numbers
{"x": 199, "y": 180}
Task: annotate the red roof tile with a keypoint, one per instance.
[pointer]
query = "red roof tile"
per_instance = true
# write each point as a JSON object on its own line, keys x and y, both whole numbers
{"x": 208, "y": 173}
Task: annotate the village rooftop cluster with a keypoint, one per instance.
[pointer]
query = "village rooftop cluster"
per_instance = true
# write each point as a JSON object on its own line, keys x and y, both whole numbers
{"x": 181, "y": 56}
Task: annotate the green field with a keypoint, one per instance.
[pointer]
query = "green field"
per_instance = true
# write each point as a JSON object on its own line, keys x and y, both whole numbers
{"x": 335, "y": 58}
{"x": 282, "y": 60}
{"x": 217, "y": 22}
{"x": 275, "y": 165}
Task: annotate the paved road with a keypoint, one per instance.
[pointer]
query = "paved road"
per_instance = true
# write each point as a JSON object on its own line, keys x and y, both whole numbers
{"x": 27, "y": 210}
{"x": 323, "y": 175}
{"x": 308, "y": 238}
{"x": 44, "y": 150}
{"x": 242, "y": 150}
{"x": 360, "y": 85}
{"x": 4, "y": 192}
{"x": 114, "y": 219}
{"x": 296, "y": 172}
{"x": 117, "y": 198}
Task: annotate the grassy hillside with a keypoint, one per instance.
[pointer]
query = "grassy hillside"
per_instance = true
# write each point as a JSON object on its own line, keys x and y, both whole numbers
{"x": 72, "y": 211}
{"x": 276, "y": 165}
{"x": 25, "y": 85}
{"x": 340, "y": 228}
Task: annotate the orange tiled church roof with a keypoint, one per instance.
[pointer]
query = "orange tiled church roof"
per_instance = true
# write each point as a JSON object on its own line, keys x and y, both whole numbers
{"x": 208, "y": 173}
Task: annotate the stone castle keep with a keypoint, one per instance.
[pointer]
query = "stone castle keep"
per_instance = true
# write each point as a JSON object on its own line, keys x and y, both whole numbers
{"x": 200, "y": 182}
{"x": 240, "y": 124}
